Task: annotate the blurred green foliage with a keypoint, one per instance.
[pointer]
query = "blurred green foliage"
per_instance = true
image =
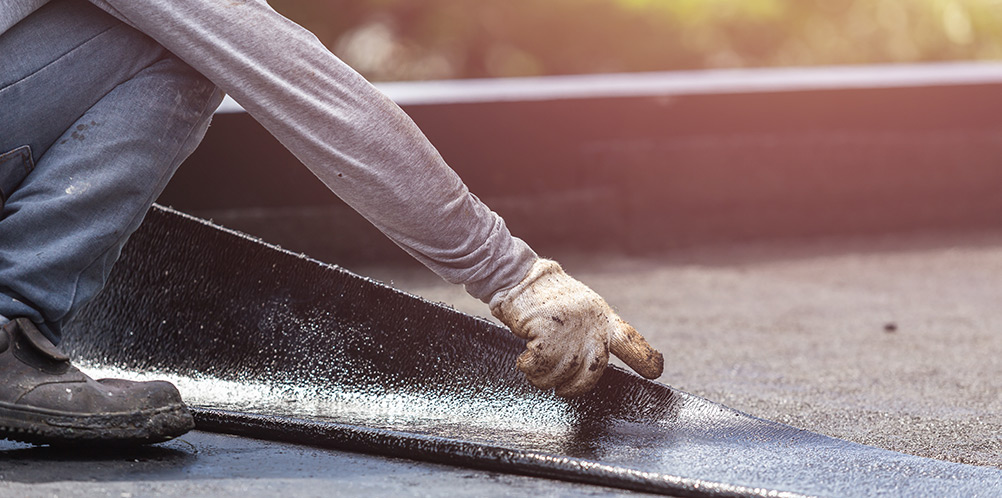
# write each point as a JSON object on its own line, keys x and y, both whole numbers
{"x": 423, "y": 39}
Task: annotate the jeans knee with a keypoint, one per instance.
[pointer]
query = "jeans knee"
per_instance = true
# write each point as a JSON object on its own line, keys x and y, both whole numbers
{"x": 197, "y": 100}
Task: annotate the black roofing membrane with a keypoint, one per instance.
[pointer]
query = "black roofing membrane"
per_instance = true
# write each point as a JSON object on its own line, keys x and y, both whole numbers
{"x": 270, "y": 344}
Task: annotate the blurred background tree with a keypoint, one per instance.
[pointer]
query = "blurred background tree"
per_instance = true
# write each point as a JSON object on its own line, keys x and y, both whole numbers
{"x": 431, "y": 39}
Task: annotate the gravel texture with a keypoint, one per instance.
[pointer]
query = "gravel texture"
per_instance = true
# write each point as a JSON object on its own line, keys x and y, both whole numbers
{"x": 891, "y": 341}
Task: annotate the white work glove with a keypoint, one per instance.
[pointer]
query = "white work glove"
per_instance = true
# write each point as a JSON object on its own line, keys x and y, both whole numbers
{"x": 570, "y": 330}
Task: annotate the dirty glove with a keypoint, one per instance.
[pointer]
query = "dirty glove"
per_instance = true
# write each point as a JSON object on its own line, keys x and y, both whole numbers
{"x": 570, "y": 330}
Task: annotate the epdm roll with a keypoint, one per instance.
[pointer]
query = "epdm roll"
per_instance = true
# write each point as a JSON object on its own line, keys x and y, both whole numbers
{"x": 266, "y": 343}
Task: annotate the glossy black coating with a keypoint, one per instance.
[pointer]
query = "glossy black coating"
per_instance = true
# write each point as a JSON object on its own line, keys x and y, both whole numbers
{"x": 275, "y": 345}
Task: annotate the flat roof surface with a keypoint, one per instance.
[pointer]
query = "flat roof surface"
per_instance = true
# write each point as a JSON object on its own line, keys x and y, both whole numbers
{"x": 204, "y": 464}
{"x": 890, "y": 341}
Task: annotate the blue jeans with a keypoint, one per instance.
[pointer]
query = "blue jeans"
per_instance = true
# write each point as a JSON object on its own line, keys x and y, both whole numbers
{"x": 95, "y": 117}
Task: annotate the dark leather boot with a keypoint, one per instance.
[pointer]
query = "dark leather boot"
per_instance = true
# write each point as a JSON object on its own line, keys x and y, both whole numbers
{"x": 46, "y": 400}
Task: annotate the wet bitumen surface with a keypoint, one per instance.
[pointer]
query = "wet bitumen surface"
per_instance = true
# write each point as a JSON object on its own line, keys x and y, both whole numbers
{"x": 891, "y": 340}
{"x": 206, "y": 464}
{"x": 887, "y": 340}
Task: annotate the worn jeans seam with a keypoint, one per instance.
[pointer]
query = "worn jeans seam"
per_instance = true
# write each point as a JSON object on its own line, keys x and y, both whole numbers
{"x": 60, "y": 58}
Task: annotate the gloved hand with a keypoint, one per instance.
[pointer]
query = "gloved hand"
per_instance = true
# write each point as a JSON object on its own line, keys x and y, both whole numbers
{"x": 570, "y": 330}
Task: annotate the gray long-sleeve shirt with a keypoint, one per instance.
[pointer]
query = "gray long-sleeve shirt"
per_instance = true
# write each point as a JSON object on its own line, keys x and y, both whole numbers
{"x": 360, "y": 144}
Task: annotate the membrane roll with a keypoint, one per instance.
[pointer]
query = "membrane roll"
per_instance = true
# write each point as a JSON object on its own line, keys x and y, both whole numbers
{"x": 266, "y": 343}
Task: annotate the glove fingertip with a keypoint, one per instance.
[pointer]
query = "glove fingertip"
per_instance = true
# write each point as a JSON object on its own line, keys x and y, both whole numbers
{"x": 653, "y": 366}
{"x": 631, "y": 347}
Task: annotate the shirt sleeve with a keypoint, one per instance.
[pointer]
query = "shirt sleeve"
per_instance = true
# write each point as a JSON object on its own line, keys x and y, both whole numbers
{"x": 351, "y": 136}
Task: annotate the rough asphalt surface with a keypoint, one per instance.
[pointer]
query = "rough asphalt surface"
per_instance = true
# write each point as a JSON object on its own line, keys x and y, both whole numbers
{"x": 890, "y": 341}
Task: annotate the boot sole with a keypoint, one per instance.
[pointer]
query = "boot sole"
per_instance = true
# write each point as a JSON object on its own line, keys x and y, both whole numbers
{"x": 52, "y": 427}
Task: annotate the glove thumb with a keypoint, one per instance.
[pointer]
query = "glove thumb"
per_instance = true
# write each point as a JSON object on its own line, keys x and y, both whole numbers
{"x": 631, "y": 347}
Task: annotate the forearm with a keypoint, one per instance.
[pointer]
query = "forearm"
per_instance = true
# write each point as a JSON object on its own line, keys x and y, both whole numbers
{"x": 360, "y": 144}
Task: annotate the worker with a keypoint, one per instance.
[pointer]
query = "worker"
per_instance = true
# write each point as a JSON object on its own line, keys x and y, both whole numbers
{"x": 103, "y": 100}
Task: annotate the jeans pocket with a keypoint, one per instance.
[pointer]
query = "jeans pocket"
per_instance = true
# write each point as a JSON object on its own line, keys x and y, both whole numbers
{"x": 14, "y": 167}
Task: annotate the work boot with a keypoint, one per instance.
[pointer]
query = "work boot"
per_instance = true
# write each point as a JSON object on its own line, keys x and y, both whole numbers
{"x": 46, "y": 400}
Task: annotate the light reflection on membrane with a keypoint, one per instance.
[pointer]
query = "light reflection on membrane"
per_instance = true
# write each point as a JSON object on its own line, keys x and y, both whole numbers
{"x": 480, "y": 414}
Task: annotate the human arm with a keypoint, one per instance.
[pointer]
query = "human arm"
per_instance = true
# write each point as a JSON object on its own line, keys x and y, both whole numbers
{"x": 357, "y": 141}
{"x": 362, "y": 146}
